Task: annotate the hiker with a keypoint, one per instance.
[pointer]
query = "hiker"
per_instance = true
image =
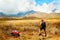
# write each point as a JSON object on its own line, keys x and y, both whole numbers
{"x": 43, "y": 27}
{"x": 15, "y": 33}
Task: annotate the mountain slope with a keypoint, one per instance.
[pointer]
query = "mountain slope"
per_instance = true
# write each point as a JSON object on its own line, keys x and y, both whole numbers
{"x": 44, "y": 15}
{"x": 19, "y": 14}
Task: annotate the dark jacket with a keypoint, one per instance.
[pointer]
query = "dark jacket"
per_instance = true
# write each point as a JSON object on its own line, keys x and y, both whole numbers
{"x": 43, "y": 24}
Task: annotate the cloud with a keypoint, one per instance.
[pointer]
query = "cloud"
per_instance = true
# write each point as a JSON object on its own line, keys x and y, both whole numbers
{"x": 57, "y": 5}
{"x": 23, "y": 5}
{"x": 14, "y": 6}
{"x": 8, "y": 6}
{"x": 48, "y": 8}
{"x": 44, "y": 8}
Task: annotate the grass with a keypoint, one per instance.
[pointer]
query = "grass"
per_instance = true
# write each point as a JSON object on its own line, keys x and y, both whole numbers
{"x": 29, "y": 29}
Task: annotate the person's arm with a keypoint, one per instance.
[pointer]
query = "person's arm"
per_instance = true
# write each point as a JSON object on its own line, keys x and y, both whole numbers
{"x": 45, "y": 24}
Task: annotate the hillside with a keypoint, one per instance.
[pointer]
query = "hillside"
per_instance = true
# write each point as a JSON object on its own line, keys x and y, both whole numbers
{"x": 44, "y": 15}
{"x": 30, "y": 15}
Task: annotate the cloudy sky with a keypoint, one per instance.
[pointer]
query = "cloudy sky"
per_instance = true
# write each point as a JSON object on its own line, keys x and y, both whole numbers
{"x": 14, "y": 6}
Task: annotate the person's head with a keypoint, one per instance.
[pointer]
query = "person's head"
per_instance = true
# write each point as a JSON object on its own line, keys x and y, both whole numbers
{"x": 42, "y": 20}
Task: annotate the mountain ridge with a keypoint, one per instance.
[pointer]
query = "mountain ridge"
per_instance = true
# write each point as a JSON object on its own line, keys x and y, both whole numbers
{"x": 31, "y": 14}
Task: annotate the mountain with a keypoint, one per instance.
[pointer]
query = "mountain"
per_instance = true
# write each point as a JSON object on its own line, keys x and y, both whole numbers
{"x": 43, "y": 15}
{"x": 2, "y": 14}
{"x": 25, "y": 13}
{"x": 31, "y": 15}
{"x": 19, "y": 14}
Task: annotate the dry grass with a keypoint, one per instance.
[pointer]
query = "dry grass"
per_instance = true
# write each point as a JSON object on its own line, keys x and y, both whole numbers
{"x": 29, "y": 29}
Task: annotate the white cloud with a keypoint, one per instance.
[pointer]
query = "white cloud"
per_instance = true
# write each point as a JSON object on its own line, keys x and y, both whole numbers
{"x": 8, "y": 6}
{"x": 14, "y": 6}
{"x": 57, "y": 4}
{"x": 47, "y": 7}
{"x": 44, "y": 8}
{"x": 58, "y": 9}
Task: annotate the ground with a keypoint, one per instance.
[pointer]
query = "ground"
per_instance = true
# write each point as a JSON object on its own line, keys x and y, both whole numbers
{"x": 29, "y": 29}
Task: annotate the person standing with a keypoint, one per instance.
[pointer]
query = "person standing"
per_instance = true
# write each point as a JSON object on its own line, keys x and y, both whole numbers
{"x": 42, "y": 27}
